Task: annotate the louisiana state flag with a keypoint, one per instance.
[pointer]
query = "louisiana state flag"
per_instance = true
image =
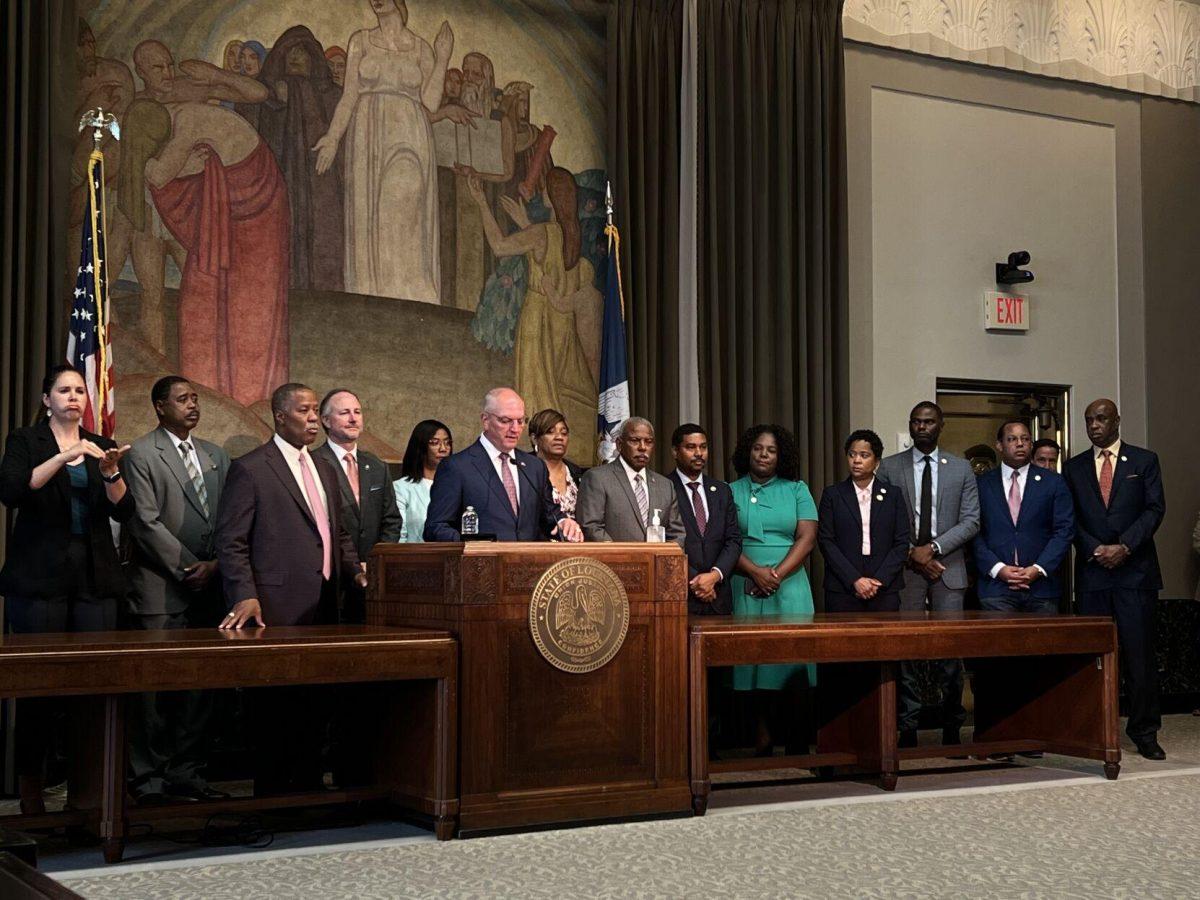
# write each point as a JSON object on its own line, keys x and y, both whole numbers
{"x": 614, "y": 363}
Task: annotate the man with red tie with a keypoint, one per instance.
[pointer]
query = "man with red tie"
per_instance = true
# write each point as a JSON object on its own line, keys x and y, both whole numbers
{"x": 281, "y": 546}
{"x": 1119, "y": 504}
{"x": 369, "y": 511}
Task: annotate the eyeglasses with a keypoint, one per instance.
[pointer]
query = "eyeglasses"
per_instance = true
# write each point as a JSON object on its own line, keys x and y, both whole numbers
{"x": 505, "y": 421}
{"x": 439, "y": 442}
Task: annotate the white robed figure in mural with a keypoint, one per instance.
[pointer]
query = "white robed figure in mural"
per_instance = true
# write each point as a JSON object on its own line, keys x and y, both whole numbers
{"x": 394, "y": 83}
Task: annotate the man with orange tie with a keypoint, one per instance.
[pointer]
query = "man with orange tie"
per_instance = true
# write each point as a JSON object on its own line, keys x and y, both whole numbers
{"x": 281, "y": 548}
{"x": 1119, "y": 504}
{"x": 369, "y": 511}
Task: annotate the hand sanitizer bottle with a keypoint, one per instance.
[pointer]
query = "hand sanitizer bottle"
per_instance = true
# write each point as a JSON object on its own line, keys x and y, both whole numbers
{"x": 655, "y": 532}
{"x": 470, "y": 522}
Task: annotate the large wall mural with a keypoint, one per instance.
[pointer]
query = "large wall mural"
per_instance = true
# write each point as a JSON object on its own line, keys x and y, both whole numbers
{"x": 406, "y": 199}
{"x": 1148, "y": 46}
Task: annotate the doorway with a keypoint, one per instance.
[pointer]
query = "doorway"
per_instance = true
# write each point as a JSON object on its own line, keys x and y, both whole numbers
{"x": 975, "y": 410}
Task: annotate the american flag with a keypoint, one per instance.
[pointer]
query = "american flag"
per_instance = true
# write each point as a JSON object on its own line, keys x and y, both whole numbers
{"x": 89, "y": 349}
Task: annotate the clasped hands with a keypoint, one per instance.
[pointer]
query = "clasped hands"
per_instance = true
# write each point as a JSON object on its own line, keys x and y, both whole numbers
{"x": 704, "y": 586}
{"x": 1019, "y": 578}
{"x": 1110, "y": 555}
{"x": 922, "y": 560}
{"x": 766, "y": 581}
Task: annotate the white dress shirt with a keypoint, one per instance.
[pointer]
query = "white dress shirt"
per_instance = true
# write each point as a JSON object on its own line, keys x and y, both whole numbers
{"x": 1114, "y": 448}
{"x": 918, "y": 472}
{"x": 493, "y": 453}
{"x": 1007, "y": 474}
{"x": 341, "y": 453}
{"x": 632, "y": 475}
{"x": 864, "y": 509}
{"x": 292, "y": 455}
{"x": 191, "y": 454}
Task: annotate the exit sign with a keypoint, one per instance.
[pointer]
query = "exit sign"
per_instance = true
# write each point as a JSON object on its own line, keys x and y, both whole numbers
{"x": 1005, "y": 312}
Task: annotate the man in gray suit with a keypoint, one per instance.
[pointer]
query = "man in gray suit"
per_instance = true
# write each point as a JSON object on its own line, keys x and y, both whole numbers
{"x": 369, "y": 509}
{"x": 617, "y": 501}
{"x": 176, "y": 481}
{"x": 943, "y": 507}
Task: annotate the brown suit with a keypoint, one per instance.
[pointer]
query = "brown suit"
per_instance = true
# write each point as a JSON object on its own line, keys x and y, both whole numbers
{"x": 268, "y": 544}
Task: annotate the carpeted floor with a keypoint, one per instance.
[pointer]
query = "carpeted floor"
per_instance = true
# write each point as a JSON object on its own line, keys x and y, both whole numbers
{"x": 1053, "y": 829}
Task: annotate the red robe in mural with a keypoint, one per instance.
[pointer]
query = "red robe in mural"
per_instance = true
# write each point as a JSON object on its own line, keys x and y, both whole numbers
{"x": 234, "y": 222}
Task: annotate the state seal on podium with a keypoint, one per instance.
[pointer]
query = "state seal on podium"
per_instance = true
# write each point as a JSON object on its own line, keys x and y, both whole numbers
{"x": 579, "y": 614}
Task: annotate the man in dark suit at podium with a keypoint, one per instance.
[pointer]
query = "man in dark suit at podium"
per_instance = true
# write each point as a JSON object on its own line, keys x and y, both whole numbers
{"x": 369, "y": 511}
{"x": 508, "y": 488}
{"x": 1026, "y": 527}
{"x": 1119, "y": 504}
{"x": 714, "y": 541}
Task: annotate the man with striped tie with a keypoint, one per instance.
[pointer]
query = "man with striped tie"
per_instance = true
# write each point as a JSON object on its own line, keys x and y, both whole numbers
{"x": 176, "y": 481}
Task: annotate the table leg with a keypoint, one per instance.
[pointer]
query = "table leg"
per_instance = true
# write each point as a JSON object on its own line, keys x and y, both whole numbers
{"x": 113, "y": 825}
{"x": 698, "y": 725}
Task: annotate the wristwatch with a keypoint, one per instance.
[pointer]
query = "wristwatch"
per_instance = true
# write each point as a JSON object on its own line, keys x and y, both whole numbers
{"x": 113, "y": 478}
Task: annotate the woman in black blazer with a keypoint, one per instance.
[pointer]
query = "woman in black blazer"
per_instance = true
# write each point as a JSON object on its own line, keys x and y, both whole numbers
{"x": 61, "y": 571}
{"x": 550, "y": 435}
{"x": 856, "y": 581}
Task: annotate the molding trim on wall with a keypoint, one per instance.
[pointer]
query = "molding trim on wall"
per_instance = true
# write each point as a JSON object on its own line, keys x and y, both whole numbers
{"x": 1146, "y": 46}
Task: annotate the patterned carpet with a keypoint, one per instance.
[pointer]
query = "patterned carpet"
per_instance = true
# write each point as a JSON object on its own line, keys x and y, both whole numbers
{"x": 1136, "y": 837}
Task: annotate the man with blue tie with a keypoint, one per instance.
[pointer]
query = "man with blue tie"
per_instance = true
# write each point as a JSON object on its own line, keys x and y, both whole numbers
{"x": 1026, "y": 527}
{"x": 508, "y": 488}
{"x": 1119, "y": 504}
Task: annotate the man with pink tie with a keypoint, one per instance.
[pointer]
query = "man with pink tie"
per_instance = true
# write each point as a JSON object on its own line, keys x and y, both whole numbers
{"x": 281, "y": 546}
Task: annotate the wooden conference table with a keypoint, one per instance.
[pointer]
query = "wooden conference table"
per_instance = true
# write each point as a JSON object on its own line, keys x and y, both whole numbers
{"x": 414, "y": 709}
{"x": 1042, "y": 683}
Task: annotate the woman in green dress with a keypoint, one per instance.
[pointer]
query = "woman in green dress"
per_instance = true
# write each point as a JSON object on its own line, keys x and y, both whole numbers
{"x": 778, "y": 519}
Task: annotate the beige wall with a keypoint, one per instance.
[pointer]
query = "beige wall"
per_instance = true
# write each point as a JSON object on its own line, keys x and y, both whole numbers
{"x": 950, "y": 168}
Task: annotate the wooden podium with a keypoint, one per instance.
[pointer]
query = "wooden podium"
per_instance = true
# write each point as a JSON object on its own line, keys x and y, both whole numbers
{"x": 539, "y": 745}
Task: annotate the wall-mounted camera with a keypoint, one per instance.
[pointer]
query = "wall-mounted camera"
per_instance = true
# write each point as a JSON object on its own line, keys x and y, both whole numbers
{"x": 1011, "y": 271}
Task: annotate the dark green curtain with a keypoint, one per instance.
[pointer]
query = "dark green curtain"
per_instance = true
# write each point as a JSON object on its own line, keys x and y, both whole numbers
{"x": 644, "y": 47}
{"x": 773, "y": 340}
{"x": 38, "y": 95}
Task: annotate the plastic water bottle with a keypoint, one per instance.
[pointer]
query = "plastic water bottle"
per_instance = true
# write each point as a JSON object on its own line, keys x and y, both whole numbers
{"x": 655, "y": 532}
{"x": 470, "y": 522}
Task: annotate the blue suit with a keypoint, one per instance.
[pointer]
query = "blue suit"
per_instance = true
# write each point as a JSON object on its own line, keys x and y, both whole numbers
{"x": 469, "y": 478}
{"x": 1128, "y": 593}
{"x": 1041, "y": 536}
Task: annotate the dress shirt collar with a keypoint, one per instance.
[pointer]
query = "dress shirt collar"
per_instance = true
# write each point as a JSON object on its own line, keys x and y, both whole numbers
{"x": 864, "y": 492}
{"x": 687, "y": 479}
{"x": 1008, "y": 471}
{"x": 292, "y": 454}
{"x": 919, "y": 457}
{"x": 341, "y": 452}
{"x": 630, "y": 473}
{"x": 1114, "y": 448}
{"x": 494, "y": 452}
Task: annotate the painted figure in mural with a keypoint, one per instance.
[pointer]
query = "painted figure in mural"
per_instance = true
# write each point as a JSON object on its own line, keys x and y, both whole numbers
{"x": 336, "y": 58}
{"x": 393, "y": 86}
{"x": 299, "y": 110}
{"x": 452, "y": 88}
{"x": 219, "y": 191}
{"x": 558, "y": 332}
{"x": 479, "y": 84}
{"x": 151, "y": 242}
{"x": 232, "y": 59}
{"x": 250, "y": 63}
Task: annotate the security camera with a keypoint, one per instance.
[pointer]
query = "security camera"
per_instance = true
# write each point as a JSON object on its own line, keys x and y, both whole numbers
{"x": 1011, "y": 272}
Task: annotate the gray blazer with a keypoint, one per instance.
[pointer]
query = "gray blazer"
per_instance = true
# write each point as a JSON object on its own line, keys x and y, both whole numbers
{"x": 607, "y": 510}
{"x": 957, "y": 509}
{"x": 169, "y": 530}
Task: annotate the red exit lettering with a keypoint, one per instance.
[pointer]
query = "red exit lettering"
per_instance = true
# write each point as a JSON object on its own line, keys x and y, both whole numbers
{"x": 1010, "y": 310}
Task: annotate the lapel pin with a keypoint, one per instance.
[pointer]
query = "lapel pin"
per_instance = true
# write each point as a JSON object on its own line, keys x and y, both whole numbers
{"x": 1037, "y": 477}
{"x": 713, "y": 488}
{"x": 883, "y": 490}
{"x": 1124, "y": 459}
{"x": 879, "y": 496}
{"x": 944, "y": 460}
